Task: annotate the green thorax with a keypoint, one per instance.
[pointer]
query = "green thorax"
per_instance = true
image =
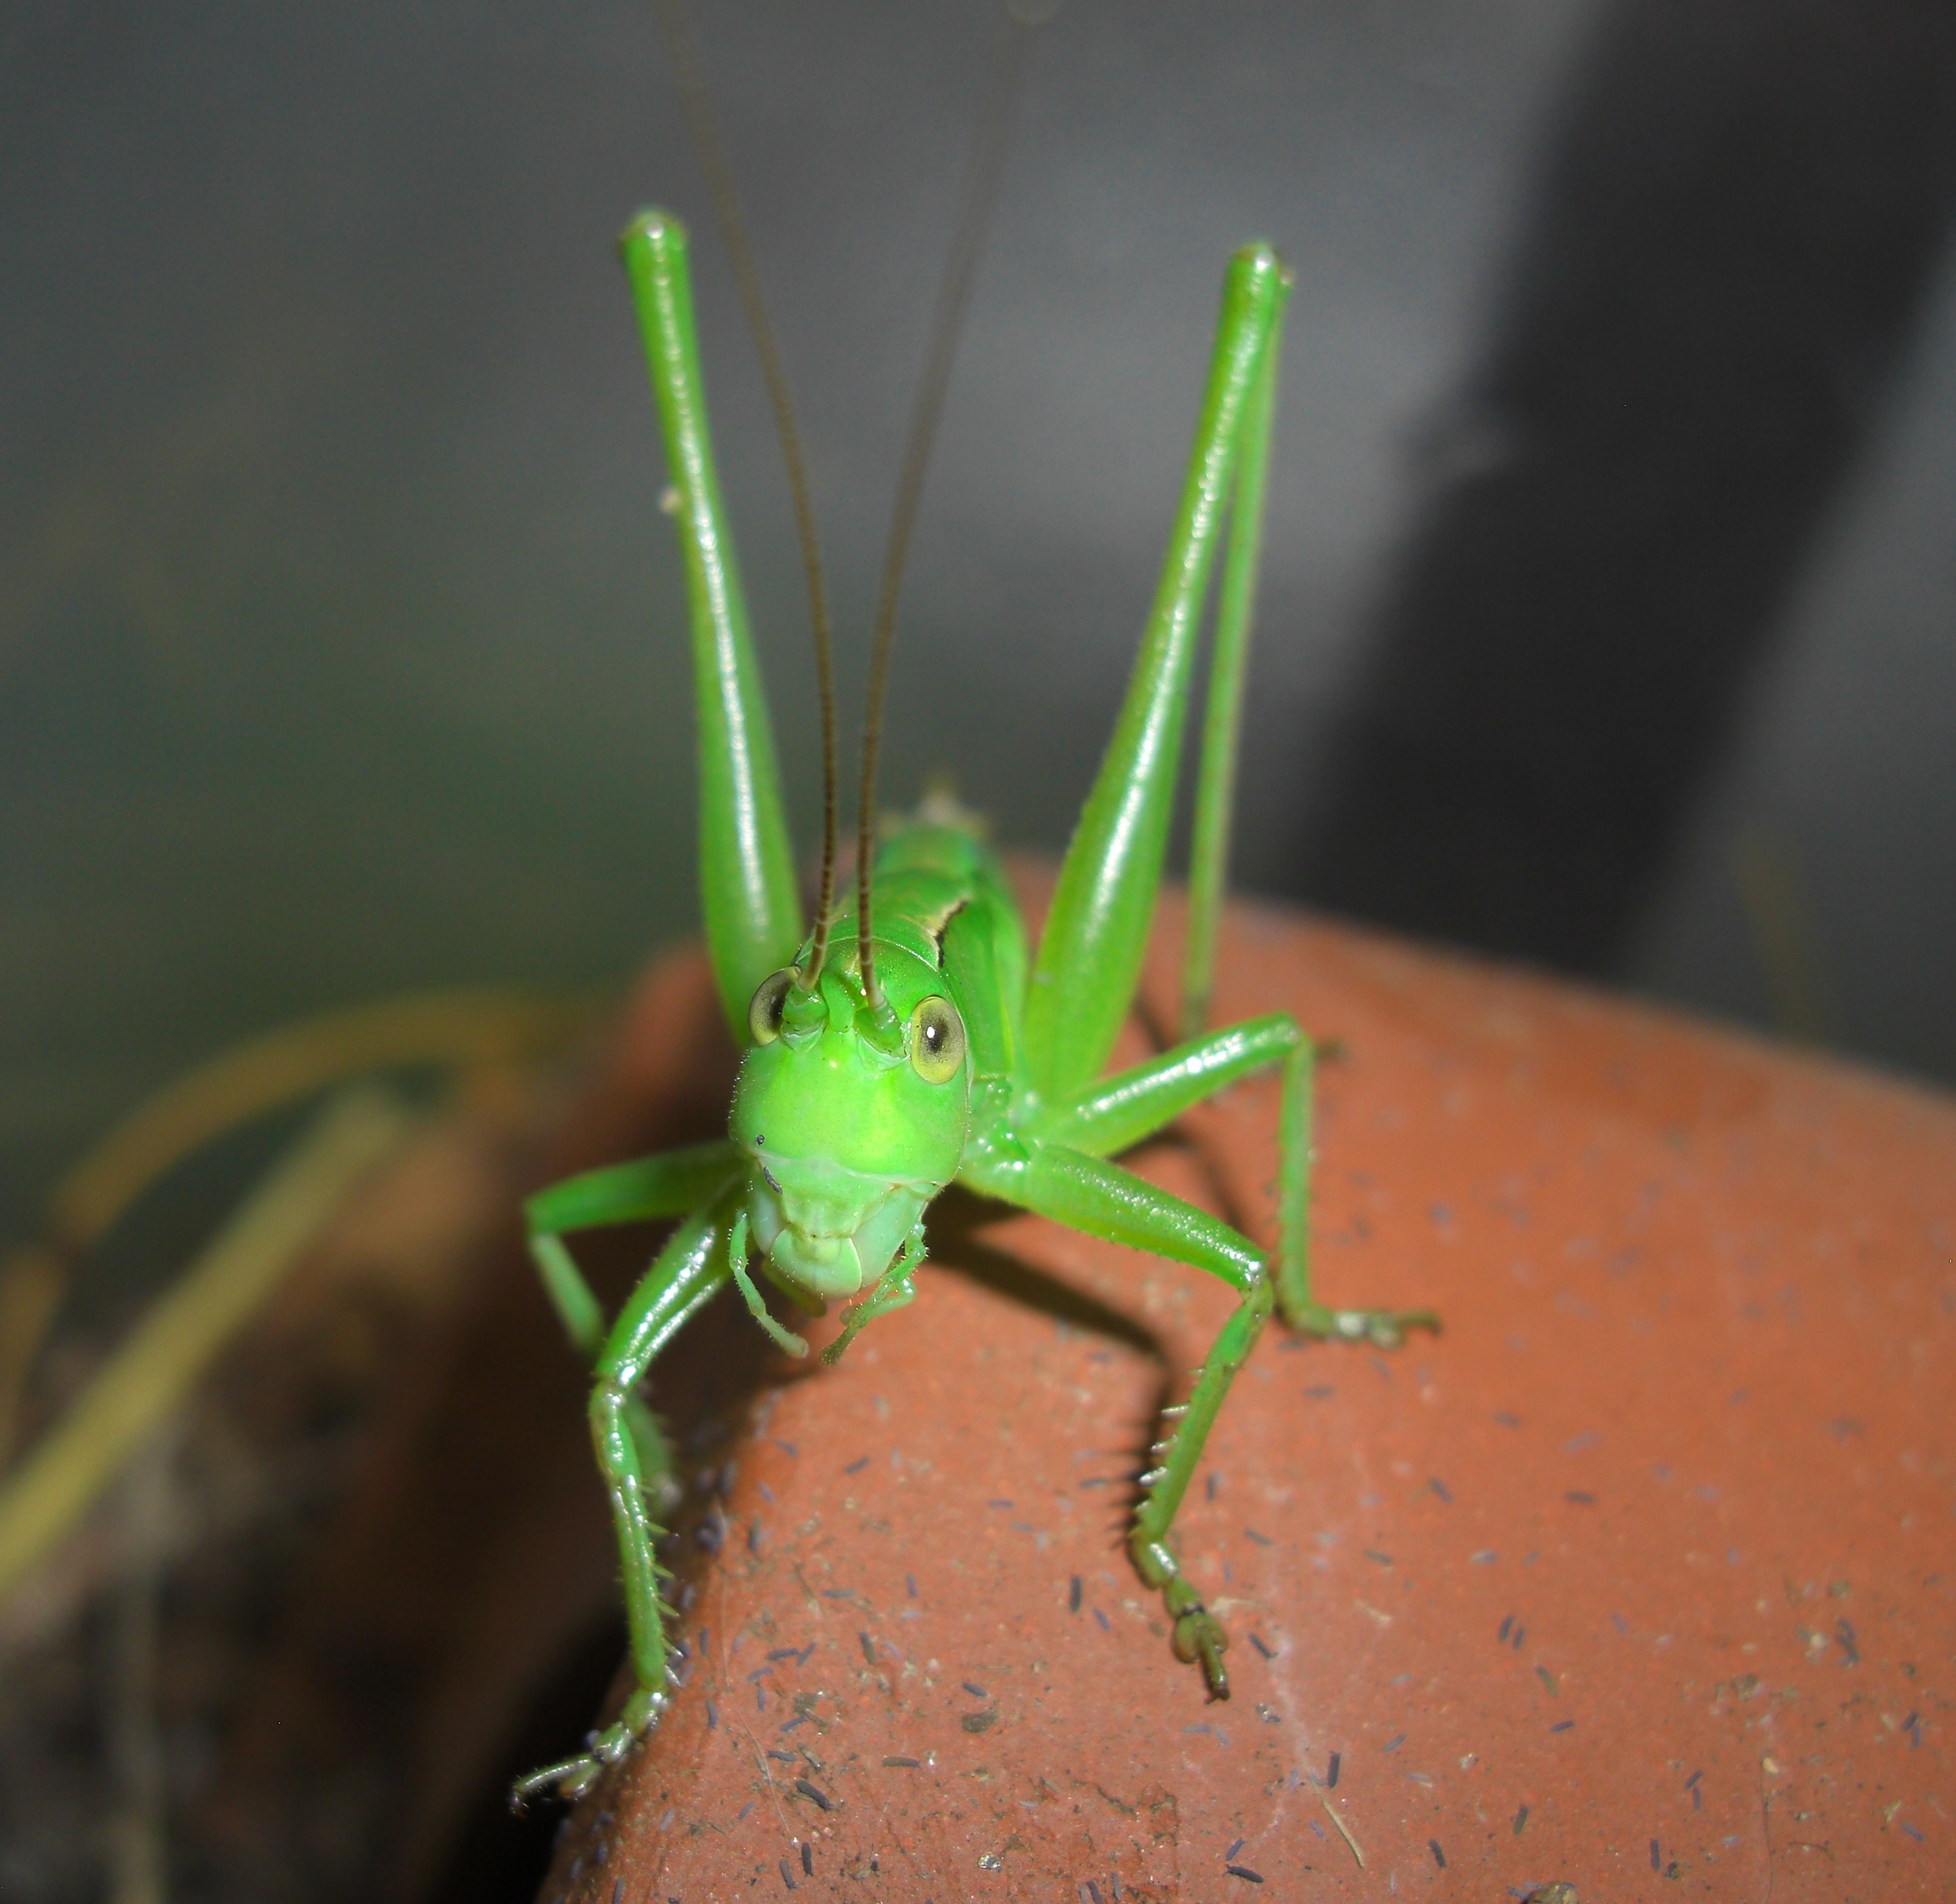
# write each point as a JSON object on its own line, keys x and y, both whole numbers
{"x": 941, "y": 895}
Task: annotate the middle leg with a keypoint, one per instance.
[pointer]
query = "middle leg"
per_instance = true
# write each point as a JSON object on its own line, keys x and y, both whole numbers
{"x": 1108, "y": 1116}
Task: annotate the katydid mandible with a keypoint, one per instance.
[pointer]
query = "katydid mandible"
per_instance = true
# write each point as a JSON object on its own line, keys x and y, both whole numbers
{"x": 910, "y": 1042}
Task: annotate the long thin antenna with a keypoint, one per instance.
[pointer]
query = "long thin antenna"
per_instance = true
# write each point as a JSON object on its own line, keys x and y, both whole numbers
{"x": 682, "y": 49}
{"x": 984, "y": 173}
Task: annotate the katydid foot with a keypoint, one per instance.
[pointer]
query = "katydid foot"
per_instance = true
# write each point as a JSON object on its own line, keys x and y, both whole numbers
{"x": 569, "y": 1778}
{"x": 1198, "y": 1636}
{"x": 1382, "y": 1328}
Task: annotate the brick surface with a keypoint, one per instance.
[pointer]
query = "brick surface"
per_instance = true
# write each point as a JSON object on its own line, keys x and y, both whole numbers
{"x": 1639, "y": 1577}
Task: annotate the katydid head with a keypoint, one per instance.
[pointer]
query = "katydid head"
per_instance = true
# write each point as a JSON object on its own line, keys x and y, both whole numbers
{"x": 854, "y": 1118}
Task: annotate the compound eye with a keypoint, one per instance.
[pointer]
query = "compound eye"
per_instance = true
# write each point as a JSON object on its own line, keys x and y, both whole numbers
{"x": 937, "y": 1041}
{"x": 764, "y": 1015}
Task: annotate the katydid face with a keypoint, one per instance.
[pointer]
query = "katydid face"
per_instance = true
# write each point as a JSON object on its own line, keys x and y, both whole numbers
{"x": 849, "y": 1141}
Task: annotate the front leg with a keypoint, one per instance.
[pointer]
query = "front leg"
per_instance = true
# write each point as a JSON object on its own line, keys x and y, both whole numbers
{"x": 688, "y": 1273}
{"x": 1104, "y": 1200}
{"x": 669, "y": 1184}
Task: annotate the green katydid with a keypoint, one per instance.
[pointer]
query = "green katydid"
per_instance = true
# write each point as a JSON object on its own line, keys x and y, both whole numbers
{"x": 908, "y": 1042}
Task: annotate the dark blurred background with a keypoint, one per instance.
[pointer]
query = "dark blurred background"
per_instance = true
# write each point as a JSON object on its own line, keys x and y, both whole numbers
{"x": 1605, "y": 626}
{"x": 1611, "y": 575}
